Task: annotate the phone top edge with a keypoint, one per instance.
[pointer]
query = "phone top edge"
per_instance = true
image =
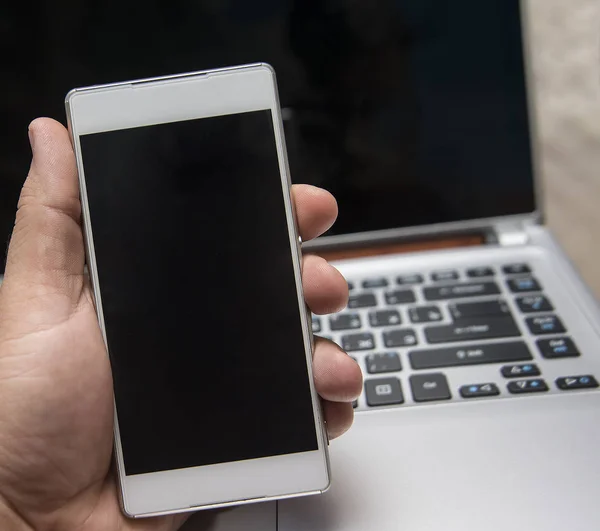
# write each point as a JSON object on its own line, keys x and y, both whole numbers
{"x": 172, "y": 77}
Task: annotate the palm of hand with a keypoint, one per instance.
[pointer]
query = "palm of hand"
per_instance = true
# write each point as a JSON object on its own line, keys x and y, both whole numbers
{"x": 56, "y": 406}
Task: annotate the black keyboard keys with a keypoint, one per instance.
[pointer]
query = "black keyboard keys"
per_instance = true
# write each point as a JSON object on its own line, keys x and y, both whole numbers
{"x": 523, "y": 285}
{"x": 316, "y": 325}
{"x": 473, "y": 329}
{"x": 480, "y": 272}
{"x": 430, "y": 387}
{"x": 385, "y": 318}
{"x": 570, "y": 383}
{"x": 355, "y": 342}
{"x": 425, "y": 314}
{"x": 471, "y": 355}
{"x": 344, "y": 321}
{"x": 461, "y": 291}
{"x": 410, "y": 279}
{"x": 479, "y": 390}
{"x": 534, "y": 303}
{"x": 519, "y": 387}
{"x": 381, "y": 363}
{"x": 400, "y": 297}
{"x": 444, "y": 276}
{"x": 520, "y": 371}
{"x": 561, "y": 347}
{"x": 375, "y": 283}
{"x": 478, "y": 309}
{"x": 364, "y": 300}
{"x": 547, "y": 324}
{"x": 400, "y": 338}
{"x": 384, "y": 392}
{"x": 516, "y": 269}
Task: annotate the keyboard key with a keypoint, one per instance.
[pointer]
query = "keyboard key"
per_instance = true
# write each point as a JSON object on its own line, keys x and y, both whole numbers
{"x": 520, "y": 371}
{"x": 480, "y": 272}
{"x": 444, "y": 276}
{"x": 527, "y": 386}
{"x": 562, "y": 347}
{"x": 410, "y": 279}
{"x": 375, "y": 283}
{"x": 461, "y": 291}
{"x": 471, "y": 355}
{"x": 429, "y": 387}
{"x": 472, "y": 329}
{"x": 355, "y": 404}
{"x": 350, "y": 286}
{"x": 399, "y": 338}
{"x": 400, "y": 297}
{"x": 534, "y": 303}
{"x": 384, "y": 392}
{"x": 479, "y": 390}
{"x": 380, "y": 363}
{"x": 355, "y": 342}
{"x": 547, "y": 324}
{"x": 576, "y": 382}
{"x": 478, "y": 309}
{"x": 425, "y": 314}
{"x": 344, "y": 321}
{"x": 516, "y": 269}
{"x": 364, "y": 300}
{"x": 316, "y": 325}
{"x": 385, "y": 318}
{"x": 523, "y": 285}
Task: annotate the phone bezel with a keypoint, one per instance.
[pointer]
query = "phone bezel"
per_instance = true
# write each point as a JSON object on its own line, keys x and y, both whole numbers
{"x": 178, "y": 98}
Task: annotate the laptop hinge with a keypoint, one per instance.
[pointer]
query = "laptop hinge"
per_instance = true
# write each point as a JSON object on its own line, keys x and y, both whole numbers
{"x": 511, "y": 234}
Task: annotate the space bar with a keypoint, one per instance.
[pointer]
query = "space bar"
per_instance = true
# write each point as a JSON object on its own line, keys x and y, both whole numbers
{"x": 470, "y": 355}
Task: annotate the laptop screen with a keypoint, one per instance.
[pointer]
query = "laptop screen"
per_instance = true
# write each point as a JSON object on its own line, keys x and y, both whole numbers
{"x": 411, "y": 112}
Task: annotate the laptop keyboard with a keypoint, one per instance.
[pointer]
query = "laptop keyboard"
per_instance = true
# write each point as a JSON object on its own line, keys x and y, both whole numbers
{"x": 407, "y": 332}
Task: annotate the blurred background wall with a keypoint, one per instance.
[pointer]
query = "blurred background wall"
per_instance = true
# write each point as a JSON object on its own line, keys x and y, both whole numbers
{"x": 566, "y": 45}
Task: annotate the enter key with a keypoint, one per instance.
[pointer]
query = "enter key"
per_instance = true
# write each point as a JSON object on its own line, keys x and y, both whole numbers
{"x": 474, "y": 328}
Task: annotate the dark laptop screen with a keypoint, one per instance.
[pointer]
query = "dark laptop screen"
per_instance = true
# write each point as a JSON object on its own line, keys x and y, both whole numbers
{"x": 410, "y": 111}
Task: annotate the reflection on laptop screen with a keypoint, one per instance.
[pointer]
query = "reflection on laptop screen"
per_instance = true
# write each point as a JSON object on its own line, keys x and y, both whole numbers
{"x": 410, "y": 111}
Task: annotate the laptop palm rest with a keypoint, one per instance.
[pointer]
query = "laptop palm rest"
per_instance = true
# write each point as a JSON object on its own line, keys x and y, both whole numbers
{"x": 518, "y": 464}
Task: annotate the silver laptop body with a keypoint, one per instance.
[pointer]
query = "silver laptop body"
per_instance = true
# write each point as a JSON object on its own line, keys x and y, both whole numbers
{"x": 524, "y": 461}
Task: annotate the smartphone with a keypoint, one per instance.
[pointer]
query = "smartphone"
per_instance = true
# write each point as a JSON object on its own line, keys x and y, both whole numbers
{"x": 195, "y": 262}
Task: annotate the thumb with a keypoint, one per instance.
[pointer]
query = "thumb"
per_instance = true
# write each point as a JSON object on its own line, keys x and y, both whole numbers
{"x": 46, "y": 255}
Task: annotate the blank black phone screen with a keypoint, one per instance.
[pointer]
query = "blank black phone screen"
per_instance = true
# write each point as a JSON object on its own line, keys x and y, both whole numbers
{"x": 198, "y": 292}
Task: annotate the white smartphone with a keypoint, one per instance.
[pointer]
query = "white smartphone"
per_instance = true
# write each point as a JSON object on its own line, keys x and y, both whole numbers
{"x": 195, "y": 263}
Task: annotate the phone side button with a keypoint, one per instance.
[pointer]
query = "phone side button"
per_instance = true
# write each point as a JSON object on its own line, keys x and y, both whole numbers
{"x": 326, "y": 433}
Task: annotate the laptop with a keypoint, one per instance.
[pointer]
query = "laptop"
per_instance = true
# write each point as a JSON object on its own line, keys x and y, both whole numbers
{"x": 477, "y": 339}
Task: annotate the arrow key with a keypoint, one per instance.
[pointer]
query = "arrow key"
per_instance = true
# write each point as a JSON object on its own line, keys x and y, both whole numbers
{"x": 520, "y": 371}
{"x": 518, "y": 387}
{"x": 576, "y": 382}
{"x": 479, "y": 390}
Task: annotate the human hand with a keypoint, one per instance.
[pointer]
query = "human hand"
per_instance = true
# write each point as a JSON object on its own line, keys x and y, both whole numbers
{"x": 56, "y": 402}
